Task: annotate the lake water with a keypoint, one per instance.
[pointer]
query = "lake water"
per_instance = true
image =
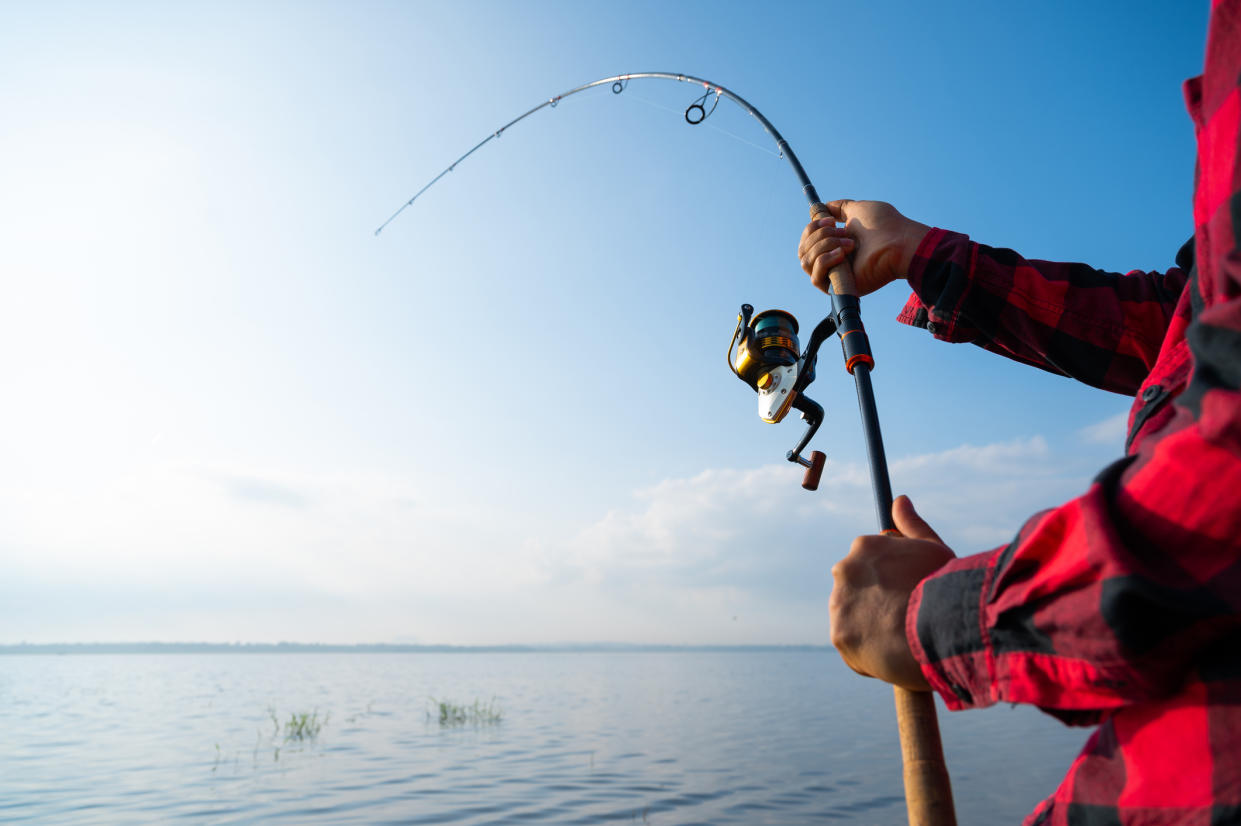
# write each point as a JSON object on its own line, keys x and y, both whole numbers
{"x": 771, "y": 737}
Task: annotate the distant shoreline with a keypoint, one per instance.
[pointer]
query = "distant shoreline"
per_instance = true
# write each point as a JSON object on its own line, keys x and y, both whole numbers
{"x": 379, "y": 648}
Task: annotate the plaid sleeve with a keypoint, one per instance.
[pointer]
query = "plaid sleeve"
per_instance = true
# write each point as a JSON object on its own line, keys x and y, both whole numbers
{"x": 1098, "y": 327}
{"x": 1120, "y": 596}
{"x": 1106, "y": 600}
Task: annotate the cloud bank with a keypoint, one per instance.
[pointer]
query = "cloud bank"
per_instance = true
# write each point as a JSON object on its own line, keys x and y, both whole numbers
{"x": 726, "y": 556}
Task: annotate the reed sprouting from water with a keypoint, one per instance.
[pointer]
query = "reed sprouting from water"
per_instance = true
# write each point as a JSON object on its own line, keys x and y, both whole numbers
{"x": 303, "y": 726}
{"x": 455, "y": 714}
{"x": 300, "y": 727}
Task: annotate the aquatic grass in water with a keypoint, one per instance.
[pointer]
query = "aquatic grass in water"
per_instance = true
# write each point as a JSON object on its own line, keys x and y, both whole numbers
{"x": 301, "y": 730}
{"x": 303, "y": 726}
{"x": 300, "y": 727}
{"x": 454, "y": 714}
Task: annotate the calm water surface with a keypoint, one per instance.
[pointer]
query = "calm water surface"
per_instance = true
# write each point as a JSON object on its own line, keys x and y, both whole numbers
{"x": 658, "y": 738}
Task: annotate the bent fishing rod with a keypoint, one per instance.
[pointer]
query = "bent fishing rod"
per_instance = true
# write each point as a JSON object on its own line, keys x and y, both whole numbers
{"x": 768, "y": 358}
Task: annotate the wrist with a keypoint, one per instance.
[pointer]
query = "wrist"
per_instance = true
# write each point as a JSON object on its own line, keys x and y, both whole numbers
{"x": 912, "y": 236}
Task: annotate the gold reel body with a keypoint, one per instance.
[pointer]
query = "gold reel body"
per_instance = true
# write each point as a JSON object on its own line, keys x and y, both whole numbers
{"x": 768, "y": 341}
{"x": 768, "y": 358}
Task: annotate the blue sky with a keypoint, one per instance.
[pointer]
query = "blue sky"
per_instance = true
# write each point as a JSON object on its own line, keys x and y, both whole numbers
{"x": 233, "y": 413}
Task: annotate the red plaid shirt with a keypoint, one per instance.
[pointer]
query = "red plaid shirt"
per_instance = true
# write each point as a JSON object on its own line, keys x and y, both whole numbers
{"x": 1121, "y": 607}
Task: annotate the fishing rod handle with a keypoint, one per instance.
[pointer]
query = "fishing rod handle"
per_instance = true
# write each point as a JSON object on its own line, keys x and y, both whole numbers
{"x": 928, "y": 791}
{"x": 841, "y": 275}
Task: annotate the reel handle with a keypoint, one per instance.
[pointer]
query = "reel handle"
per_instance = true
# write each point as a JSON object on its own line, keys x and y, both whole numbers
{"x": 815, "y": 471}
{"x": 841, "y": 275}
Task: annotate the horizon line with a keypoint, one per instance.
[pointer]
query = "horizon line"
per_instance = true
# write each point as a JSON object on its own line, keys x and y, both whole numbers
{"x": 283, "y": 646}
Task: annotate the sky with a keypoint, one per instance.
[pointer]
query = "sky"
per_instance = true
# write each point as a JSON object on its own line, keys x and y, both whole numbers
{"x": 233, "y": 413}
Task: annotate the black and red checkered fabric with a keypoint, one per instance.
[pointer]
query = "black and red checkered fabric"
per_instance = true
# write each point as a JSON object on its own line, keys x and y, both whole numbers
{"x": 1121, "y": 608}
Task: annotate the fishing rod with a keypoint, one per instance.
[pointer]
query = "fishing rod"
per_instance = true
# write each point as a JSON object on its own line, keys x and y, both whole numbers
{"x": 695, "y": 114}
{"x": 769, "y": 360}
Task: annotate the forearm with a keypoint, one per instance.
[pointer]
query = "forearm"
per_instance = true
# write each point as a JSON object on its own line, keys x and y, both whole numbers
{"x": 1101, "y": 328}
{"x": 1109, "y": 600}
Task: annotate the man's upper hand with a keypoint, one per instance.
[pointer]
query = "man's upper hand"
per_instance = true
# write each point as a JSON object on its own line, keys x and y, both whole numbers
{"x": 880, "y": 239}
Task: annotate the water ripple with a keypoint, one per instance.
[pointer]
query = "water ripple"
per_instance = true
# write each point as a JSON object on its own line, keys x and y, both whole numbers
{"x": 685, "y": 738}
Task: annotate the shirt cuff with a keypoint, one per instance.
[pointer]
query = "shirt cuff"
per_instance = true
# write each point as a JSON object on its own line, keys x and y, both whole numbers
{"x": 946, "y": 634}
{"x": 940, "y": 277}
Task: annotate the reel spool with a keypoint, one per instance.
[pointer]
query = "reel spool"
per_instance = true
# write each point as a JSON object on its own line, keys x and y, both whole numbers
{"x": 769, "y": 360}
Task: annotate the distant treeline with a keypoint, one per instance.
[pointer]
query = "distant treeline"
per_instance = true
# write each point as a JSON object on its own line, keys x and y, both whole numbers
{"x": 378, "y": 648}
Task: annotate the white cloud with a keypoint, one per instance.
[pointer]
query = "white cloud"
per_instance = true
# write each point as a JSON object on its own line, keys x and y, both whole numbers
{"x": 726, "y": 556}
{"x": 973, "y": 494}
{"x": 1111, "y": 431}
{"x": 758, "y": 537}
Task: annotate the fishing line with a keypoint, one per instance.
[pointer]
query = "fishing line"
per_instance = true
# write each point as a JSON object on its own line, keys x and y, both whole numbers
{"x": 722, "y": 131}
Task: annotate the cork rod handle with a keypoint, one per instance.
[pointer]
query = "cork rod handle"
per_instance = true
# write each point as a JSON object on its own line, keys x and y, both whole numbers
{"x": 841, "y": 275}
{"x": 928, "y": 791}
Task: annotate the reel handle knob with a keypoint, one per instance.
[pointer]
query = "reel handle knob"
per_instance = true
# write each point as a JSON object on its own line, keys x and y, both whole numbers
{"x": 841, "y": 275}
{"x": 815, "y": 472}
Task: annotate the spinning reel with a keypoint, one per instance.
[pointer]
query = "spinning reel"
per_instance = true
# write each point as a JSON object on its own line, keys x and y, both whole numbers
{"x": 768, "y": 360}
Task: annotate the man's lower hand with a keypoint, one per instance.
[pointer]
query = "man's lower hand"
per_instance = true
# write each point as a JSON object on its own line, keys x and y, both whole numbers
{"x": 871, "y": 593}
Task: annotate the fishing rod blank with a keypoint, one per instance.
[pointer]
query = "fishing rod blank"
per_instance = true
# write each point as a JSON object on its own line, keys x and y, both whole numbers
{"x": 695, "y": 114}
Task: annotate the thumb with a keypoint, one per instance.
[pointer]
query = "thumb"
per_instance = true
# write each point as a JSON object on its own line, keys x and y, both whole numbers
{"x": 909, "y": 523}
{"x": 837, "y": 209}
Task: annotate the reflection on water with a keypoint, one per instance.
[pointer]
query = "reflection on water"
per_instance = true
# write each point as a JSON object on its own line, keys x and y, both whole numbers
{"x": 662, "y": 738}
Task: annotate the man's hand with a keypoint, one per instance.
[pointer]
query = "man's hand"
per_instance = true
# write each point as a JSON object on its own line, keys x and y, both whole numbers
{"x": 872, "y": 589}
{"x": 881, "y": 240}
